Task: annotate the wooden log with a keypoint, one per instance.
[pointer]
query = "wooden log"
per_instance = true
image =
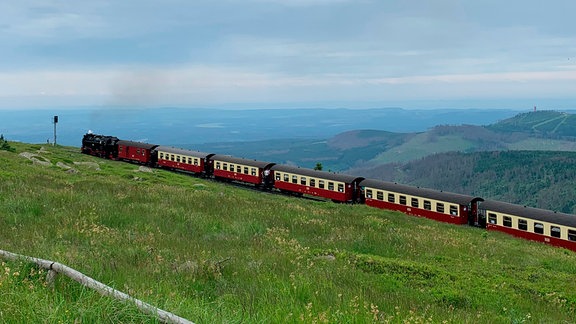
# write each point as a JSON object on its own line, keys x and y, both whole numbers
{"x": 162, "y": 315}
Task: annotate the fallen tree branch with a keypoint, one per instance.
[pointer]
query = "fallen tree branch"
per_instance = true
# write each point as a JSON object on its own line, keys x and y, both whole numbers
{"x": 164, "y": 316}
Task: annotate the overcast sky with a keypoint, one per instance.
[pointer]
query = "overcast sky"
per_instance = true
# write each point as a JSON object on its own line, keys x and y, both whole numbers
{"x": 279, "y": 53}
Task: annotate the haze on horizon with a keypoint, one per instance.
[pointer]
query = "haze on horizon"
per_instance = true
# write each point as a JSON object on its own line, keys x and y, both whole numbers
{"x": 287, "y": 54}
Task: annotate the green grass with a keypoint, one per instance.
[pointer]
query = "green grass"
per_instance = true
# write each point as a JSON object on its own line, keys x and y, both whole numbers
{"x": 421, "y": 146}
{"x": 542, "y": 144}
{"x": 211, "y": 252}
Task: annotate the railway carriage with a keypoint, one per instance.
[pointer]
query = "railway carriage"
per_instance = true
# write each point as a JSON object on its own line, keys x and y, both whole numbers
{"x": 242, "y": 170}
{"x": 338, "y": 187}
{"x": 136, "y": 152}
{"x": 184, "y": 160}
{"x": 438, "y": 205}
{"x": 558, "y": 229}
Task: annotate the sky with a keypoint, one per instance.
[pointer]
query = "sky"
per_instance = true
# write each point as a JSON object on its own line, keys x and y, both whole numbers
{"x": 287, "y": 53}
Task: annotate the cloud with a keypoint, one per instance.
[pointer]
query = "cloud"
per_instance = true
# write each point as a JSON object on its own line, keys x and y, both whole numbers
{"x": 151, "y": 52}
{"x": 205, "y": 84}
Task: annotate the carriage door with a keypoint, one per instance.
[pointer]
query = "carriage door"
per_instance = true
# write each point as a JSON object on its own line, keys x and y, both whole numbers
{"x": 477, "y": 217}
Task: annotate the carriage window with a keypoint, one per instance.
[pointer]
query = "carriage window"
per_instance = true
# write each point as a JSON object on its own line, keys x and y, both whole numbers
{"x": 555, "y": 231}
{"x": 538, "y": 228}
{"x": 253, "y": 171}
{"x": 453, "y": 210}
{"x": 189, "y": 160}
{"x": 303, "y": 181}
{"x": 294, "y": 179}
{"x": 341, "y": 187}
{"x": 492, "y": 218}
{"x": 172, "y": 157}
{"x": 321, "y": 184}
{"x": 178, "y": 158}
{"x": 571, "y": 235}
{"x": 277, "y": 176}
{"x": 239, "y": 169}
{"x": 414, "y": 202}
{"x": 507, "y": 221}
{"x": 330, "y": 185}
{"x": 369, "y": 193}
{"x": 522, "y": 224}
{"x": 427, "y": 205}
{"x": 379, "y": 195}
{"x": 232, "y": 167}
{"x": 286, "y": 177}
{"x": 312, "y": 182}
{"x": 161, "y": 155}
{"x": 440, "y": 207}
{"x": 403, "y": 200}
{"x": 246, "y": 172}
{"x": 218, "y": 165}
{"x": 391, "y": 198}
{"x": 225, "y": 166}
{"x": 196, "y": 161}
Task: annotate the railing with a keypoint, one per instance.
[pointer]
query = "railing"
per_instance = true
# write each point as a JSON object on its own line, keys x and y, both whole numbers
{"x": 54, "y": 268}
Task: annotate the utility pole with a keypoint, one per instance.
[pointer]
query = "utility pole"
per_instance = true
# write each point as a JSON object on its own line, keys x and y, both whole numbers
{"x": 55, "y": 122}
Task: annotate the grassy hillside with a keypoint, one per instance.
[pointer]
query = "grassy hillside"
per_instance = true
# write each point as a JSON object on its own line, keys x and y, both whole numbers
{"x": 216, "y": 253}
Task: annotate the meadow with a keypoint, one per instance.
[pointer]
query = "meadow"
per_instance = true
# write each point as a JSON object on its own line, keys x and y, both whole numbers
{"x": 212, "y": 252}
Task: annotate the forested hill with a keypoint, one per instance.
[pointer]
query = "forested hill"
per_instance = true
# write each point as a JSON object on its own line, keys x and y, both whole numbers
{"x": 543, "y": 179}
{"x": 546, "y": 123}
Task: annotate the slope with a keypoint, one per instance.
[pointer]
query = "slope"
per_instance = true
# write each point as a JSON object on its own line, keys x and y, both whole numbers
{"x": 216, "y": 253}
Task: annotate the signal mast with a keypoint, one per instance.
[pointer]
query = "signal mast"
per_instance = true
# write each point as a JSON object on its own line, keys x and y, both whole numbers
{"x": 55, "y": 122}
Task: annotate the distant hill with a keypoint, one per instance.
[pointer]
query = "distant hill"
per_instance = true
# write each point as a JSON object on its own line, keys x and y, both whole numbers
{"x": 543, "y": 130}
{"x": 542, "y": 123}
{"x": 189, "y": 127}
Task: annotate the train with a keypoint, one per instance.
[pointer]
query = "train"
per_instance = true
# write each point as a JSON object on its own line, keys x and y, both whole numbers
{"x": 549, "y": 227}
